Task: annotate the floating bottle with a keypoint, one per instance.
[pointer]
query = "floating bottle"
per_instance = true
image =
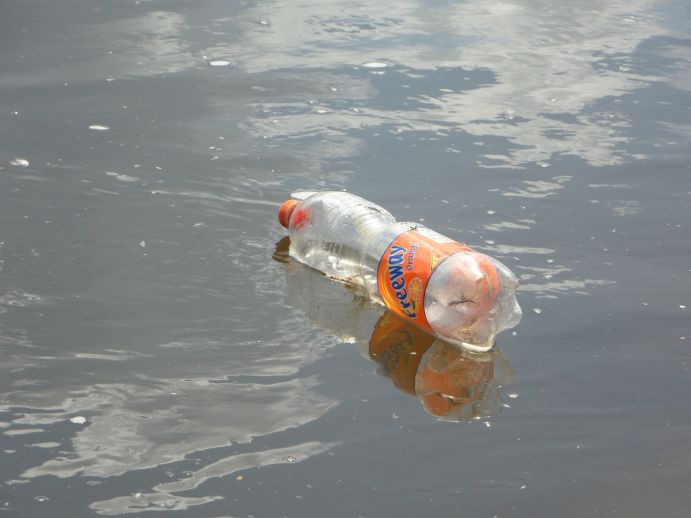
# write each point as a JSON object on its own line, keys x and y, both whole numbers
{"x": 444, "y": 287}
{"x": 451, "y": 383}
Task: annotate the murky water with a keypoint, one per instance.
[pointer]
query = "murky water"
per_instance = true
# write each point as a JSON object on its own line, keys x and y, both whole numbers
{"x": 159, "y": 352}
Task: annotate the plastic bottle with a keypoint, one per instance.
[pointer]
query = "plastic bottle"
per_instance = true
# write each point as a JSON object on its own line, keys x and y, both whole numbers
{"x": 442, "y": 286}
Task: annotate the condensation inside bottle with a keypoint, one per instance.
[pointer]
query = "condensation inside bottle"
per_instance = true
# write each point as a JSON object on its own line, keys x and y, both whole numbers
{"x": 345, "y": 236}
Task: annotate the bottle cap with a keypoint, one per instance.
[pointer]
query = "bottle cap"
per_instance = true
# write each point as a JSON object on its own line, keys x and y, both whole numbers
{"x": 285, "y": 212}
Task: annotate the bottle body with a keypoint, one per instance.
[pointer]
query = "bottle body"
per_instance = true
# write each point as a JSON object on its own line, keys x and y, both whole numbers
{"x": 343, "y": 236}
{"x": 442, "y": 286}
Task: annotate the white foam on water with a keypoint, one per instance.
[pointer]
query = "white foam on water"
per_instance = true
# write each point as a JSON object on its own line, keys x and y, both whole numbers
{"x": 20, "y": 162}
{"x": 375, "y": 64}
{"x": 123, "y": 177}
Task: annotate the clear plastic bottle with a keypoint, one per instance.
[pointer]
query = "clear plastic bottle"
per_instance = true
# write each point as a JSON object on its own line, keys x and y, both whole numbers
{"x": 444, "y": 287}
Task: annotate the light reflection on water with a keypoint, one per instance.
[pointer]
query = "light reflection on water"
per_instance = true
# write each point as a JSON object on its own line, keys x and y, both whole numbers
{"x": 549, "y": 65}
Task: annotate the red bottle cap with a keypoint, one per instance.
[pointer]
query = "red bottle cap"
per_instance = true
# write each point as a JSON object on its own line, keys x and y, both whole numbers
{"x": 286, "y": 211}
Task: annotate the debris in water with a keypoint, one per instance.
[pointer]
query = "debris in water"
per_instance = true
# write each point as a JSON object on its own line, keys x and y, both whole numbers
{"x": 80, "y": 419}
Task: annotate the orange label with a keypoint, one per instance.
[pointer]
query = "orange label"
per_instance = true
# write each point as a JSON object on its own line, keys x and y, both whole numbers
{"x": 405, "y": 268}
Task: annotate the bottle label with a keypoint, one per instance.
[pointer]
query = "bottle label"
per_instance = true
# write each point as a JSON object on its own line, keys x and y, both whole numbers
{"x": 406, "y": 267}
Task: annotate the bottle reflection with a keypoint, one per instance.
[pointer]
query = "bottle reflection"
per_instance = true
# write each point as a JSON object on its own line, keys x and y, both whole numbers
{"x": 452, "y": 384}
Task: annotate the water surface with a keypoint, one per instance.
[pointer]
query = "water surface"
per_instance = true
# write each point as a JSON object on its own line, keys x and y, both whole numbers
{"x": 161, "y": 353}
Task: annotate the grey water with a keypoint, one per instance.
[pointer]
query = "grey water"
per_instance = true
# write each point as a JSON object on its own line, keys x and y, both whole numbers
{"x": 160, "y": 354}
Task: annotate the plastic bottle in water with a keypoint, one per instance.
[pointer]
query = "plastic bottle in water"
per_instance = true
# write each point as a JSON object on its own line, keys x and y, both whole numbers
{"x": 444, "y": 287}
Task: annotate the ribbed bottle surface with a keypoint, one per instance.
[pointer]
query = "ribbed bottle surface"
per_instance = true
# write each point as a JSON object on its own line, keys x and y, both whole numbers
{"x": 343, "y": 236}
